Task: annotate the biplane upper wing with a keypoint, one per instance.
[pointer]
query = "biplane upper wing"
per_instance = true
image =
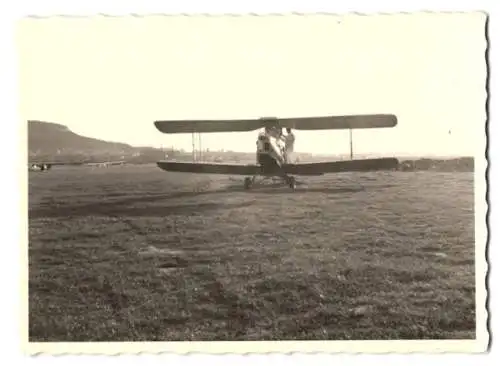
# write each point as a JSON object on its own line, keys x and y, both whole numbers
{"x": 340, "y": 122}
{"x": 321, "y": 168}
{"x": 227, "y": 169}
{"x": 302, "y": 123}
{"x": 202, "y": 126}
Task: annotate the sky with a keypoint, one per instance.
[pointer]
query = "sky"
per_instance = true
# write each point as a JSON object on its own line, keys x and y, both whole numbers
{"x": 110, "y": 78}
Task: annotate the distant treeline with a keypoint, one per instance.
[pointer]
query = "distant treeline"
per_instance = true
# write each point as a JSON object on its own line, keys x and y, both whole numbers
{"x": 464, "y": 164}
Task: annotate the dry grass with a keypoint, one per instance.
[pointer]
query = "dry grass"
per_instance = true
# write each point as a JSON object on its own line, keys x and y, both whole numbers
{"x": 134, "y": 253}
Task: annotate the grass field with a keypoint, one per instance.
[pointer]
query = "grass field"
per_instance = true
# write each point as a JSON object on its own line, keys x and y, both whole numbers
{"x": 134, "y": 254}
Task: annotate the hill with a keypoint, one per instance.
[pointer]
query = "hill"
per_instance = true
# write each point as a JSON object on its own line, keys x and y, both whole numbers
{"x": 53, "y": 141}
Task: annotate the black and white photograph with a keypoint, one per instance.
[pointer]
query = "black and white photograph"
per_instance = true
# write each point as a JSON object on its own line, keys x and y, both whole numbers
{"x": 287, "y": 179}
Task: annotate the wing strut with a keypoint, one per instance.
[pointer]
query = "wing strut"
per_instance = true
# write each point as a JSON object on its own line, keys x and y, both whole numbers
{"x": 350, "y": 141}
{"x": 197, "y": 151}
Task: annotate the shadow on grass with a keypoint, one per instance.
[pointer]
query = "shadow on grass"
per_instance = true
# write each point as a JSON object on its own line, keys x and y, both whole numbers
{"x": 118, "y": 207}
{"x": 286, "y": 190}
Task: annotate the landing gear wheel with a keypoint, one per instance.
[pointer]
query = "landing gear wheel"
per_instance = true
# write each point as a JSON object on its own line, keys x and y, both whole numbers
{"x": 292, "y": 183}
{"x": 248, "y": 183}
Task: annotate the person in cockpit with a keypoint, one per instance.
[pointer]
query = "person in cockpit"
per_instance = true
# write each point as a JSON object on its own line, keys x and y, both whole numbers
{"x": 289, "y": 145}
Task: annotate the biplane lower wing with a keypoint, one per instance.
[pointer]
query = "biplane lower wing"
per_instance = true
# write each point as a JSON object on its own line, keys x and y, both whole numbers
{"x": 290, "y": 169}
{"x": 363, "y": 165}
{"x": 226, "y": 169}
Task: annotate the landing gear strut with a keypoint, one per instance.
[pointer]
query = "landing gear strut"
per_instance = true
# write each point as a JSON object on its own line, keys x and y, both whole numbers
{"x": 248, "y": 183}
{"x": 292, "y": 183}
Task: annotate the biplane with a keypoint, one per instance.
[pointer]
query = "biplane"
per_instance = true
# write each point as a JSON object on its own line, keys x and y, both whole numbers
{"x": 272, "y": 153}
{"x": 44, "y": 166}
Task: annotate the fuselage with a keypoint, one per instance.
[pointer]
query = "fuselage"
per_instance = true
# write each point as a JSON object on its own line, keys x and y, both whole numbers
{"x": 270, "y": 152}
